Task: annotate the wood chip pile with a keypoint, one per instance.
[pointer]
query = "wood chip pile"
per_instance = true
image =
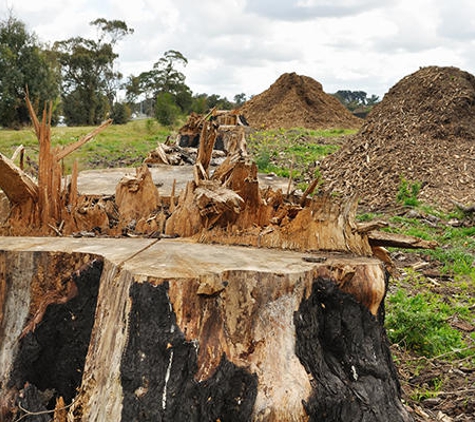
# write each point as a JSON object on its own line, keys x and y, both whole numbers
{"x": 297, "y": 101}
{"x": 422, "y": 131}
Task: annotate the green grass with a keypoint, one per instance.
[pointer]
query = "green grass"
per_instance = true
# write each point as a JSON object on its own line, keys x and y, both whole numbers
{"x": 118, "y": 145}
{"x": 297, "y": 151}
{"x": 407, "y": 192}
{"x": 419, "y": 323}
{"x": 419, "y": 308}
{"x": 456, "y": 250}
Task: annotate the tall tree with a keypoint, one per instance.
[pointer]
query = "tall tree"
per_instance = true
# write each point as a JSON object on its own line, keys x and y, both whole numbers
{"x": 111, "y": 32}
{"x": 163, "y": 78}
{"x": 132, "y": 91}
{"x": 239, "y": 99}
{"x": 90, "y": 81}
{"x": 23, "y": 63}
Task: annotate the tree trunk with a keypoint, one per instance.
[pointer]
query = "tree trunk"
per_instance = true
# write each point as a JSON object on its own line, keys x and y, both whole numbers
{"x": 170, "y": 330}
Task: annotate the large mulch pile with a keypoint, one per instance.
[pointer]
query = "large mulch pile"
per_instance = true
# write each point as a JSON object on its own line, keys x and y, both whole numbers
{"x": 297, "y": 101}
{"x": 422, "y": 131}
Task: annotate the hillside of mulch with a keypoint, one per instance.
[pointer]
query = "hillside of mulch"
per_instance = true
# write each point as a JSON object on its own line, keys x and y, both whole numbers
{"x": 297, "y": 101}
{"x": 422, "y": 131}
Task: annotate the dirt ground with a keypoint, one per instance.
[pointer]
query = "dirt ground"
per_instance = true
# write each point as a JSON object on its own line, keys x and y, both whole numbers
{"x": 104, "y": 181}
{"x": 420, "y": 376}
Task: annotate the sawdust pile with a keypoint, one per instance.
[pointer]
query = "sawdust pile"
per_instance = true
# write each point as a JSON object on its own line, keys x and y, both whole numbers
{"x": 423, "y": 132}
{"x": 297, "y": 101}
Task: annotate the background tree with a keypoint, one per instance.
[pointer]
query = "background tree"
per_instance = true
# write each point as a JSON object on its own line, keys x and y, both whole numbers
{"x": 120, "y": 113}
{"x": 166, "y": 109}
{"x": 23, "y": 63}
{"x": 356, "y": 101}
{"x": 199, "y": 104}
{"x": 373, "y": 100}
{"x": 215, "y": 100}
{"x": 164, "y": 77}
{"x": 132, "y": 93}
{"x": 239, "y": 99}
{"x": 111, "y": 32}
{"x": 89, "y": 79}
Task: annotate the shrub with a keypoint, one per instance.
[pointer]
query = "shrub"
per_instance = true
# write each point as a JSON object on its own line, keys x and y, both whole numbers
{"x": 166, "y": 110}
{"x": 120, "y": 114}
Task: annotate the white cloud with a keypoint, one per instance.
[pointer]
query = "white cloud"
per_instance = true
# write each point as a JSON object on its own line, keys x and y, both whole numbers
{"x": 301, "y": 10}
{"x": 236, "y": 46}
{"x": 457, "y": 20}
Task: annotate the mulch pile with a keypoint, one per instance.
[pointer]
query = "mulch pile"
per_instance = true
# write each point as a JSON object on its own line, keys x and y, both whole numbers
{"x": 297, "y": 101}
{"x": 423, "y": 131}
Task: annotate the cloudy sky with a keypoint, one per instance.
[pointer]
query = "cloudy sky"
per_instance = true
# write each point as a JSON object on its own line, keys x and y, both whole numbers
{"x": 243, "y": 46}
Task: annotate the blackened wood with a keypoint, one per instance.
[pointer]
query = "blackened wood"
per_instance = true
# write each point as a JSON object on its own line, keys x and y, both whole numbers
{"x": 51, "y": 357}
{"x": 345, "y": 349}
{"x": 158, "y": 368}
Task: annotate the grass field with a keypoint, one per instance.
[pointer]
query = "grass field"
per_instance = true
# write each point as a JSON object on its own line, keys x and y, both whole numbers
{"x": 117, "y": 146}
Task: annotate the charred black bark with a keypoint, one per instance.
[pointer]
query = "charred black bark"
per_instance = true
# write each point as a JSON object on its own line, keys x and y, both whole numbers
{"x": 158, "y": 369}
{"x": 188, "y": 141}
{"x": 345, "y": 349}
{"x": 34, "y": 400}
{"x": 51, "y": 358}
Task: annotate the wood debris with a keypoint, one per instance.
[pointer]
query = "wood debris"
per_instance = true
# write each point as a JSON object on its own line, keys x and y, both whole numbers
{"x": 421, "y": 133}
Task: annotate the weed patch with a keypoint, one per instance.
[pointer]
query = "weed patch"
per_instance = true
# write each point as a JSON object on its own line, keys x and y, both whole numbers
{"x": 419, "y": 323}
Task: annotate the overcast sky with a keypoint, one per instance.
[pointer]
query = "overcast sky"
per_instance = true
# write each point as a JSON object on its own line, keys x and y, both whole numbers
{"x": 243, "y": 46}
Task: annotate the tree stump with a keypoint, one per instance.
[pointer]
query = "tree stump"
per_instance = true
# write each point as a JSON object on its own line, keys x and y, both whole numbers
{"x": 171, "y": 330}
{"x": 265, "y": 308}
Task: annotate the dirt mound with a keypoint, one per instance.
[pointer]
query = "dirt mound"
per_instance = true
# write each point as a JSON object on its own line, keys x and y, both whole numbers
{"x": 297, "y": 101}
{"x": 423, "y": 133}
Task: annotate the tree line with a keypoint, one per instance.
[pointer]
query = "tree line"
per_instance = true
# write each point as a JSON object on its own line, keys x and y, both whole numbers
{"x": 80, "y": 78}
{"x": 357, "y": 101}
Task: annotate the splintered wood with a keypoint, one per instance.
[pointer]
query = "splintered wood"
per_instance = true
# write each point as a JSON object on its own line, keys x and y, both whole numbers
{"x": 43, "y": 206}
{"x": 223, "y": 206}
{"x": 229, "y": 208}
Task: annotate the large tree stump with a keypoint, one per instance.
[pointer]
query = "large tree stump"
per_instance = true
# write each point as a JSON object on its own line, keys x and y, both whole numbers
{"x": 169, "y": 330}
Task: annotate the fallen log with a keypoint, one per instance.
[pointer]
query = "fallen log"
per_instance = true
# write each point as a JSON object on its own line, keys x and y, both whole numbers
{"x": 397, "y": 240}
